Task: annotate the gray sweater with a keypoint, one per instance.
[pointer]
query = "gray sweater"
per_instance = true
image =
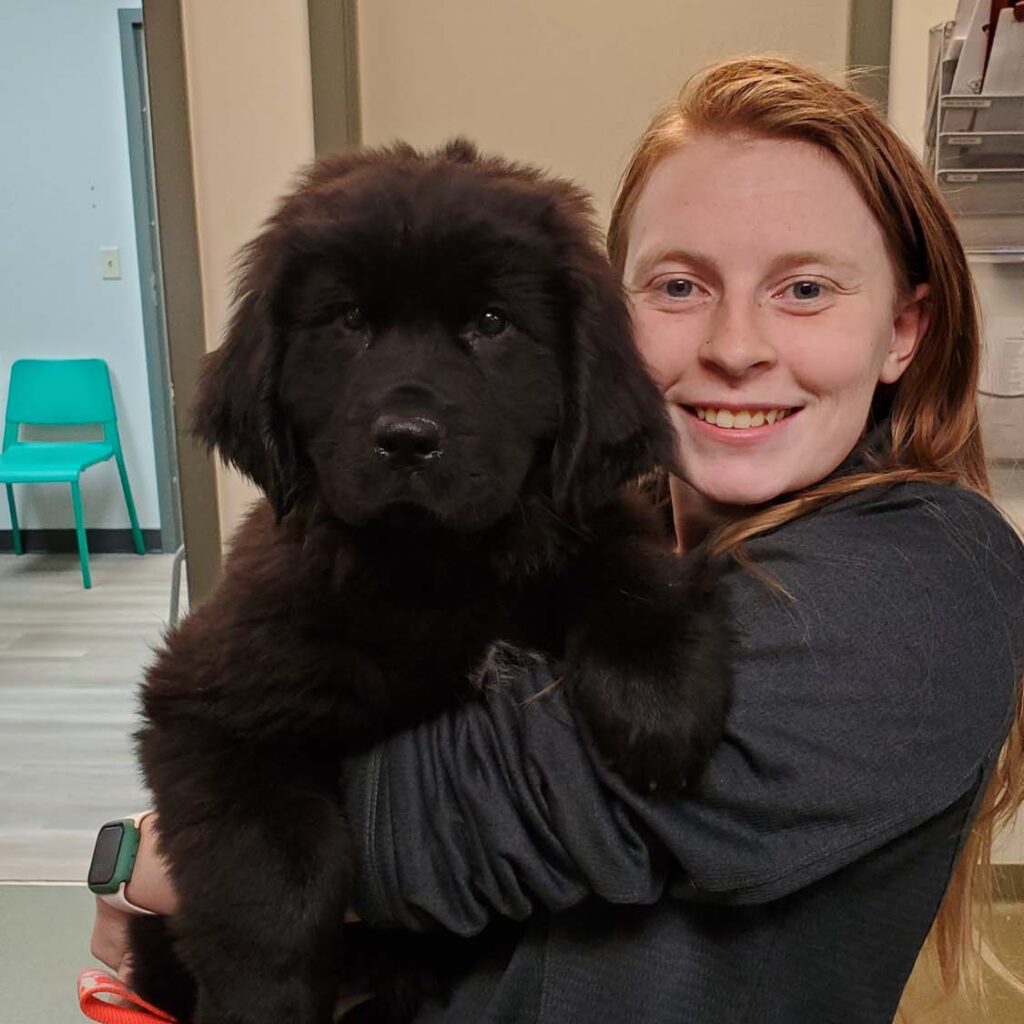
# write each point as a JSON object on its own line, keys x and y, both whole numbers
{"x": 797, "y": 882}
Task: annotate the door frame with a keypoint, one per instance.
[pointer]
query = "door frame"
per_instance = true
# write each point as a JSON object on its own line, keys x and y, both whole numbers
{"x": 174, "y": 187}
{"x": 147, "y": 244}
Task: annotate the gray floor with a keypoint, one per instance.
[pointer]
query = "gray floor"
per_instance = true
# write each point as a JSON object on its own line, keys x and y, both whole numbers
{"x": 70, "y": 662}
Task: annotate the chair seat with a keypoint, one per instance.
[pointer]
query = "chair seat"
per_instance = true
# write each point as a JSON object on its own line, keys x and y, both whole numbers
{"x": 50, "y": 461}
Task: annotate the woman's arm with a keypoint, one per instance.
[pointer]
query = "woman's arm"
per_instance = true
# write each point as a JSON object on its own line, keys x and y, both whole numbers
{"x": 864, "y": 707}
{"x": 149, "y": 887}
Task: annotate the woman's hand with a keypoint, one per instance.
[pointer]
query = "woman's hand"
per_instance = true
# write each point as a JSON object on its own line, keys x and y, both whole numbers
{"x": 150, "y": 888}
{"x": 109, "y": 942}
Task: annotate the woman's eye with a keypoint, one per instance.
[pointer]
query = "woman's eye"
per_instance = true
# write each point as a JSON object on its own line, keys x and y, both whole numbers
{"x": 806, "y": 290}
{"x": 678, "y": 288}
{"x": 490, "y": 323}
{"x": 352, "y": 317}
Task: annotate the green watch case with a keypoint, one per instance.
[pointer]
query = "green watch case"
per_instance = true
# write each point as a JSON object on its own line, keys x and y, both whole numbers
{"x": 113, "y": 857}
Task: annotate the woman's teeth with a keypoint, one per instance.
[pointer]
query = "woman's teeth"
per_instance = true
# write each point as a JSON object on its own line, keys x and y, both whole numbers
{"x": 742, "y": 419}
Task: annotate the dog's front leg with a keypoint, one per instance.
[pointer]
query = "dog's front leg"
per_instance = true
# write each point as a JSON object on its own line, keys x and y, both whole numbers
{"x": 648, "y": 662}
{"x": 259, "y": 856}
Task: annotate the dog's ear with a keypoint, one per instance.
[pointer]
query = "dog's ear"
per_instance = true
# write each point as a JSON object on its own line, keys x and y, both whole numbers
{"x": 236, "y": 410}
{"x": 614, "y": 424}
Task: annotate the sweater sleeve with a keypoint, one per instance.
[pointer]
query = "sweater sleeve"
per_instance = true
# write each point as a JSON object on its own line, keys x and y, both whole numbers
{"x": 867, "y": 701}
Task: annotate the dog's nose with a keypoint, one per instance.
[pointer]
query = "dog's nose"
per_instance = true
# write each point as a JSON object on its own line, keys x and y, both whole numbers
{"x": 407, "y": 440}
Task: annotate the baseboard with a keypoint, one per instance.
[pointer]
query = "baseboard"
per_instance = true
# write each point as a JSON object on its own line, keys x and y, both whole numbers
{"x": 64, "y": 542}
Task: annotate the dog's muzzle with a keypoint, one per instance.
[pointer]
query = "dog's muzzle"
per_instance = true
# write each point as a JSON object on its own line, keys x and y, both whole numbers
{"x": 407, "y": 442}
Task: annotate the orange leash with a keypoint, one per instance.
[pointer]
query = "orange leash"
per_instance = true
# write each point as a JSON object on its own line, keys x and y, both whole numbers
{"x": 106, "y": 999}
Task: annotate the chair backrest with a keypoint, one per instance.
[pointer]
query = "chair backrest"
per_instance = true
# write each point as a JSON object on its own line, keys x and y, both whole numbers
{"x": 59, "y": 392}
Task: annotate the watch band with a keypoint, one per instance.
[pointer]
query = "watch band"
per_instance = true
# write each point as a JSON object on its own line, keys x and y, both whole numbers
{"x": 118, "y": 898}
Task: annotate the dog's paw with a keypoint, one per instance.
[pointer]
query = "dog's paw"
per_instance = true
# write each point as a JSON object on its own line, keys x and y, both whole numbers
{"x": 655, "y": 728}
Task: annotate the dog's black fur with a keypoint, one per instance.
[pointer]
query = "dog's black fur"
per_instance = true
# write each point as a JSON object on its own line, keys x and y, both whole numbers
{"x": 429, "y": 373}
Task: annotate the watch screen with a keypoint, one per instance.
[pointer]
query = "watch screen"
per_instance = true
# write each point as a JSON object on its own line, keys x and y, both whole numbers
{"x": 104, "y": 858}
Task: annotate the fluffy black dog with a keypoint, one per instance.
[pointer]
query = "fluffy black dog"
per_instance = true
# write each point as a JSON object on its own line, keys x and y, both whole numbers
{"x": 429, "y": 373}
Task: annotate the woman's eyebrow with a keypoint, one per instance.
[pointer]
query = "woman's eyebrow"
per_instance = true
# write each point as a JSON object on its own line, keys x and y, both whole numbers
{"x": 787, "y": 260}
{"x": 708, "y": 265}
{"x": 650, "y": 260}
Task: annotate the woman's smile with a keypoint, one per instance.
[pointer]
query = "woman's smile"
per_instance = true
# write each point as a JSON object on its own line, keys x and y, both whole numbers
{"x": 738, "y": 425}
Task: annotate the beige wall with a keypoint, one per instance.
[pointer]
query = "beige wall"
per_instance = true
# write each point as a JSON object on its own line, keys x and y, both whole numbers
{"x": 251, "y": 113}
{"x": 908, "y": 64}
{"x": 567, "y": 84}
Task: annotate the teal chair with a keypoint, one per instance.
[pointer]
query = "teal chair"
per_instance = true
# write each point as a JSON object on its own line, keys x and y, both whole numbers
{"x": 61, "y": 392}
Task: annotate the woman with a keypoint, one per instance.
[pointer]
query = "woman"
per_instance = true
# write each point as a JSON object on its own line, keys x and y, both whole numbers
{"x": 800, "y": 294}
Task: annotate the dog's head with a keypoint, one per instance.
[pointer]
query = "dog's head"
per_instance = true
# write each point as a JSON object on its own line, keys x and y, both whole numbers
{"x": 435, "y": 335}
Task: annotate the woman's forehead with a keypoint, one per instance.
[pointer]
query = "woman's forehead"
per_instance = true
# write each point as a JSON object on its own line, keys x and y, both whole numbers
{"x": 752, "y": 200}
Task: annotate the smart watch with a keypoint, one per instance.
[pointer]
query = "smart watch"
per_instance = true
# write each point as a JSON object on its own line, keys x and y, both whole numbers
{"x": 113, "y": 859}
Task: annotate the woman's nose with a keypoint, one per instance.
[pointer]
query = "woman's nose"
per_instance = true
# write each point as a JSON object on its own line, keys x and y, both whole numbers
{"x": 737, "y": 343}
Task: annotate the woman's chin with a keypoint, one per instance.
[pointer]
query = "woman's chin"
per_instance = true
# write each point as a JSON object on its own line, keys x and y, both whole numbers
{"x": 739, "y": 493}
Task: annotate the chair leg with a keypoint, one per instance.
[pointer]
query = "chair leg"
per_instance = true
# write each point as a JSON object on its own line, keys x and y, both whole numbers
{"x": 179, "y": 558}
{"x": 140, "y": 544}
{"x": 15, "y": 531}
{"x": 83, "y": 547}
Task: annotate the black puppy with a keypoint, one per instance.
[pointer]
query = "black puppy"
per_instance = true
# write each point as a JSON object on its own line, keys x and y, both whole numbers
{"x": 429, "y": 373}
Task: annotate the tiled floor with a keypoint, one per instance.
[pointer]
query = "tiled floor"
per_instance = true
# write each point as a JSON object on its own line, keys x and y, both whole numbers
{"x": 70, "y": 662}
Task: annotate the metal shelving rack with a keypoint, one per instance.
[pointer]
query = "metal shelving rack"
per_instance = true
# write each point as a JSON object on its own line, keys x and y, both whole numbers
{"x": 975, "y": 147}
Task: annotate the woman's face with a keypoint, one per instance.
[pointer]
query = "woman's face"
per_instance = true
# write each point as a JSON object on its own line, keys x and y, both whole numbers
{"x": 765, "y": 305}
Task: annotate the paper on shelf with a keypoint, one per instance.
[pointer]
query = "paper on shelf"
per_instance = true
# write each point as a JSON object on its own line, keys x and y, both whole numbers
{"x": 970, "y": 68}
{"x": 1005, "y": 71}
{"x": 1005, "y": 74}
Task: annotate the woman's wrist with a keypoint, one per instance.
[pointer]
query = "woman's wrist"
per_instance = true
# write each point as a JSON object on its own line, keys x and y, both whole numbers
{"x": 150, "y": 885}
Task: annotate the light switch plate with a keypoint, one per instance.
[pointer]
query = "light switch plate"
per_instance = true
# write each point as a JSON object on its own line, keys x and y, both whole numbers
{"x": 111, "y": 262}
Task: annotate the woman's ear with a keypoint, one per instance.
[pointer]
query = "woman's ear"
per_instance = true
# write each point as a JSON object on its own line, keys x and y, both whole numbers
{"x": 912, "y": 316}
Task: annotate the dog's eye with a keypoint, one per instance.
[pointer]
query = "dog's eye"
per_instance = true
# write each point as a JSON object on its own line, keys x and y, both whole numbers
{"x": 491, "y": 323}
{"x": 352, "y": 317}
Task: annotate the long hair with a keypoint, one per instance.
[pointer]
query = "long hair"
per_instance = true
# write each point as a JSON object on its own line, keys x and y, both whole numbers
{"x": 932, "y": 408}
